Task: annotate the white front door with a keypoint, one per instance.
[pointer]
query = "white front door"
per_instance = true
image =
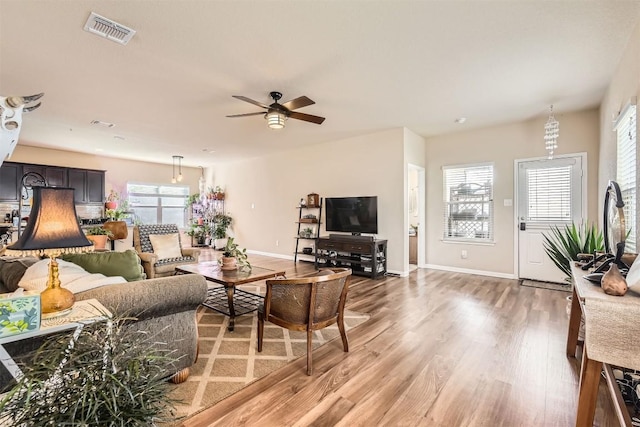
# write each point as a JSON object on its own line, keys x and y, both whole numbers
{"x": 550, "y": 193}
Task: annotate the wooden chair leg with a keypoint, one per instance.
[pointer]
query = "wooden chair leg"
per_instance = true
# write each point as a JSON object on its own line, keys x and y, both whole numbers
{"x": 309, "y": 352}
{"x": 343, "y": 334}
{"x": 260, "y": 331}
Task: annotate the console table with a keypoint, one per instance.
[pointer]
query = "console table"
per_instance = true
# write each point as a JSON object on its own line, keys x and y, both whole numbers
{"x": 365, "y": 257}
{"x": 611, "y": 338}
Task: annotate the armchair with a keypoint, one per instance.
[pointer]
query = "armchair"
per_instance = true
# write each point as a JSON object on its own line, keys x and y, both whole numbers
{"x": 153, "y": 265}
{"x": 306, "y": 304}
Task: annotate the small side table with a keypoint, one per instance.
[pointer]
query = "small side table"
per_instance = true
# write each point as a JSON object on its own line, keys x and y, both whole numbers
{"x": 83, "y": 313}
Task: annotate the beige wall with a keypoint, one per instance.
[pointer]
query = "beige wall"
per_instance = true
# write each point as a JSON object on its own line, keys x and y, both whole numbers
{"x": 501, "y": 145}
{"x": 624, "y": 85}
{"x": 262, "y": 193}
{"x": 118, "y": 171}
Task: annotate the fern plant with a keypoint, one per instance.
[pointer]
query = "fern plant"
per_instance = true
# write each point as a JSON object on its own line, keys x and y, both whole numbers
{"x": 563, "y": 245}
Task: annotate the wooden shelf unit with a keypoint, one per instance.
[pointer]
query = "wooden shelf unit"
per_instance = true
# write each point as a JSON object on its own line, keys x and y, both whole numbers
{"x": 311, "y": 223}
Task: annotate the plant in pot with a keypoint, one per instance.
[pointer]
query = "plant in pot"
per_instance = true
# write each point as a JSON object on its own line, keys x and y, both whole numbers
{"x": 234, "y": 257}
{"x": 112, "y": 200}
{"x": 119, "y": 212}
{"x": 99, "y": 236}
{"x": 563, "y": 245}
{"x": 113, "y": 374}
{"x": 221, "y": 223}
{"x": 199, "y": 233}
{"x": 218, "y": 193}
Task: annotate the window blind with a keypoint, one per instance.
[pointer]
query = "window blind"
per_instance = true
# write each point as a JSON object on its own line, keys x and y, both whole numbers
{"x": 549, "y": 194}
{"x": 158, "y": 203}
{"x": 626, "y": 171}
{"x": 468, "y": 203}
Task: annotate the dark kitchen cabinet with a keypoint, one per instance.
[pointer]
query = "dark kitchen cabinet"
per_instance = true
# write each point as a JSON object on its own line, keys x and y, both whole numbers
{"x": 89, "y": 185}
{"x": 95, "y": 187}
{"x": 10, "y": 174}
{"x": 55, "y": 176}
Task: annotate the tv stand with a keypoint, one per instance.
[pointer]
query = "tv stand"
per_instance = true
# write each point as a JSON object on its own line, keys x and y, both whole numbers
{"x": 364, "y": 255}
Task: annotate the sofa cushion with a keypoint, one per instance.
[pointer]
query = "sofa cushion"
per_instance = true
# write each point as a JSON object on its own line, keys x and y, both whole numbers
{"x": 166, "y": 245}
{"x": 12, "y": 269}
{"x": 126, "y": 264}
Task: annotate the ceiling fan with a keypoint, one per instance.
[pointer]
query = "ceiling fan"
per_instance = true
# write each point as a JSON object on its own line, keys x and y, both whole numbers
{"x": 277, "y": 113}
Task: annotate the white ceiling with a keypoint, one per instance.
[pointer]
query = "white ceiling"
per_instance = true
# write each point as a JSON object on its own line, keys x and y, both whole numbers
{"x": 368, "y": 65}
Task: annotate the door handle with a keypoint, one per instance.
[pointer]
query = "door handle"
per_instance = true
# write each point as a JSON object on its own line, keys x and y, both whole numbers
{"x": 523, "y": 226}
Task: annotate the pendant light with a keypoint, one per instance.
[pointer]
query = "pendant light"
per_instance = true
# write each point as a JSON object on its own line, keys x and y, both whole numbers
{"x": 179, "y": 178}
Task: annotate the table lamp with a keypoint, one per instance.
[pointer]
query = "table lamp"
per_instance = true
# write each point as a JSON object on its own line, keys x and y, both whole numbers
{"x": 52, "y": 229}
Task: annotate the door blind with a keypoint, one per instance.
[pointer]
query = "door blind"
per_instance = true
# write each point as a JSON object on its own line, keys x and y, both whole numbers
{"x": 626, "y": 171}
{"x": 549, "y": 194}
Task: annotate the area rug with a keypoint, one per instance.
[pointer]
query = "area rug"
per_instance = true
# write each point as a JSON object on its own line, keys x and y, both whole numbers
{"x": 229, "y": 361}
{"x": 546, "y": 285}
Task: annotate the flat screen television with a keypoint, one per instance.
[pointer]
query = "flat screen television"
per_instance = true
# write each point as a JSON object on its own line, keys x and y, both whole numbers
{"x": 353, "y": 215}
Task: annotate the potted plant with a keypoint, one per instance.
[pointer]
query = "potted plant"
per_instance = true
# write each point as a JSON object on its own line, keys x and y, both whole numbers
{"x": 112, "y": 200}
{"x": 234, "y": 257}
{"x": 306, "y": 233}
{"x": 194, "y": 198}
{"x": 199, "y": 233}
{"x": 221, "y": 223}
{"x": 113, "y": 374}
{"x": 119, "y": 212}
{"x": 564, "y": 245}
{"x": 217, "y": 192}
{"x": 99, "y": 236}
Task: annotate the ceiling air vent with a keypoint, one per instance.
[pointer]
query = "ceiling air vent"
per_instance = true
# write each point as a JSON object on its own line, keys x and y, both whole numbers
{"x": 108, "y": 29}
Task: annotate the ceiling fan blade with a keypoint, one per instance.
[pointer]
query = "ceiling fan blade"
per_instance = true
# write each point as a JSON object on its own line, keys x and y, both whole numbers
{"x": 299, "y": 102}
{"x": 250, "y": 101}
{"x": 262, "y": 113}
{"x": 307, "y": 117}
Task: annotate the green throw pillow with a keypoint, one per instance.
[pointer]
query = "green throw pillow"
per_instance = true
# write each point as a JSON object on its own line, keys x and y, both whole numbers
{"x": 126, "y": 264}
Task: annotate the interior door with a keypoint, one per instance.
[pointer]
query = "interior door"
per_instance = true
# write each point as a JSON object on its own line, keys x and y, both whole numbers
{"x": 550, "y": 194}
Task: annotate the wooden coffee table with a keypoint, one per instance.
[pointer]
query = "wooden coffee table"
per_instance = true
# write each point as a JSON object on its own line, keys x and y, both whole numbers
{"x": 227, "y": 299}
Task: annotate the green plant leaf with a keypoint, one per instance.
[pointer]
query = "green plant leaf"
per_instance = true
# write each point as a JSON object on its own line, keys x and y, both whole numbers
{"x": 564, "y": 245}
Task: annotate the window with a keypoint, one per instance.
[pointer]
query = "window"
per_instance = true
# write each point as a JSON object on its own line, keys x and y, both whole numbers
{"x": 626, "y": 170}
{"x": 158, "y": 203}
{"x": 468, "y": 203}
{"x": 549, "y": 194}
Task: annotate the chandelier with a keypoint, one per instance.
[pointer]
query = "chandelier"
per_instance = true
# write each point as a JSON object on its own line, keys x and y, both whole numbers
{"x": 551, "y": 133}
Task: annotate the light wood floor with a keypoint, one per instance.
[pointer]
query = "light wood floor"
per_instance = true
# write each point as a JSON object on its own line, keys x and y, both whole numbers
{"x": 440, "y": 349}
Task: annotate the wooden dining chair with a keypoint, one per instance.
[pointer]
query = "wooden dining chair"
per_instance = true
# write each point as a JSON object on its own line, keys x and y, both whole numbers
{"x": 306, "y": 304}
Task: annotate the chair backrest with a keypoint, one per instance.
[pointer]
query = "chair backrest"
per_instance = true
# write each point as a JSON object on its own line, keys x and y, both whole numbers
{"x": 141, "y": 241}
{"x": 310, "y": 302}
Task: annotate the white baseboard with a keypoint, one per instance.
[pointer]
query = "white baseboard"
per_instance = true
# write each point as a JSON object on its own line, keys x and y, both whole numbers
{"x": 470, "y": 271}
{"x": 281, "y": 256}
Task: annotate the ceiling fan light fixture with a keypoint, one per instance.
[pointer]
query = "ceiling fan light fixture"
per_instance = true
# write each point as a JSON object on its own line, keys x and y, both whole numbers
{"x": 275, "y": 119}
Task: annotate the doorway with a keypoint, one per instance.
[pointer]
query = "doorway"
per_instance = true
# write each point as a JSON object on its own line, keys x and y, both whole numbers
{"x": 415, "y": 216}
{"x": 549, "y": 193}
